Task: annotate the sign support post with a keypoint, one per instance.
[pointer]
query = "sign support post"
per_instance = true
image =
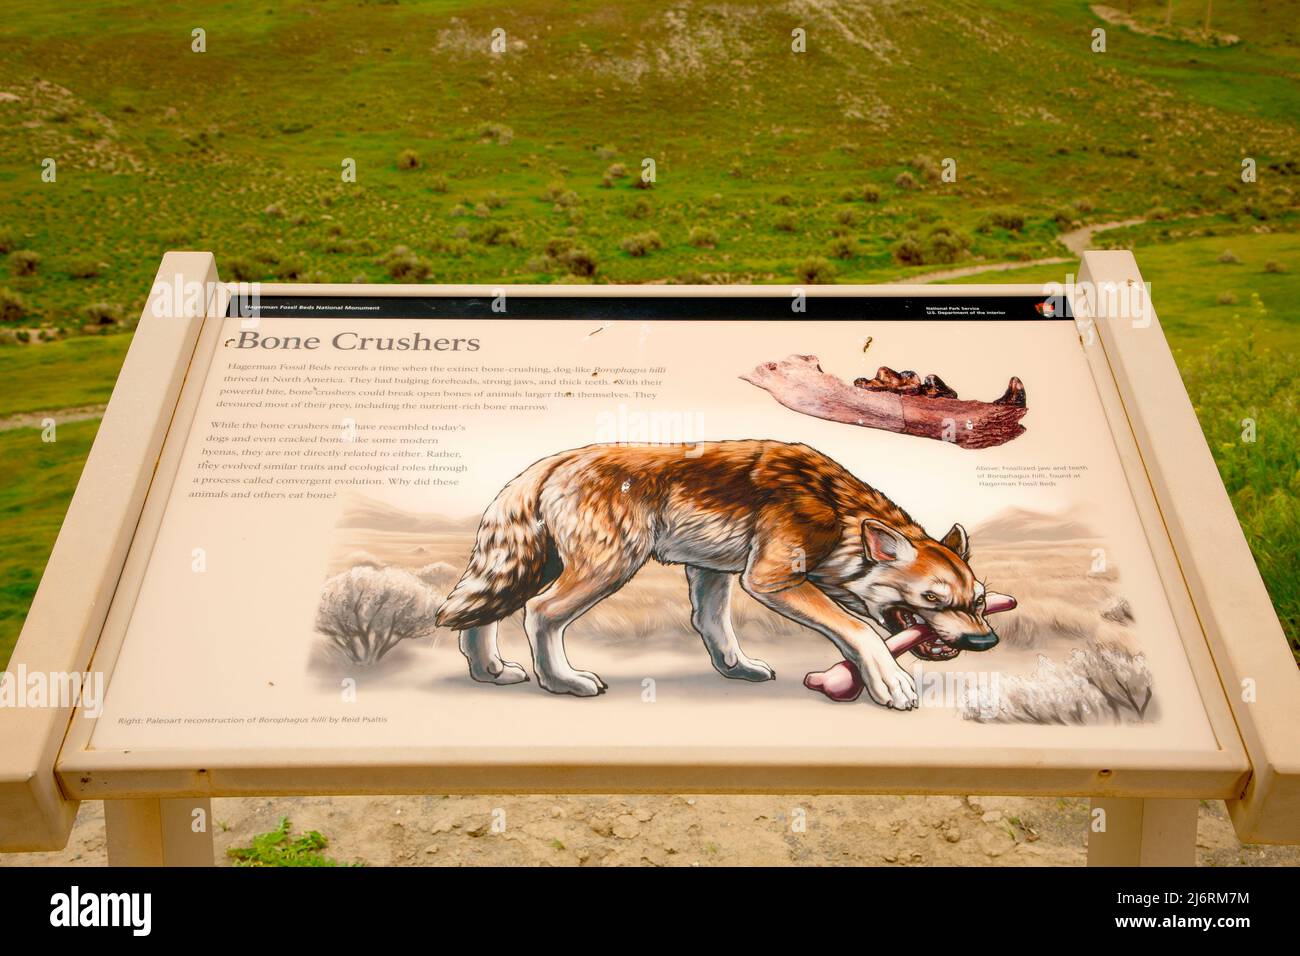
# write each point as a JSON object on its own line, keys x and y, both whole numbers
{"x": 150, "y": 832}
{"x": 1137, "y": 832}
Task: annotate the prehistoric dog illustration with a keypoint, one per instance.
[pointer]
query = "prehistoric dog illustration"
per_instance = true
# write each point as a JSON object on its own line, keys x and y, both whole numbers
{"x": 807, "y": 539}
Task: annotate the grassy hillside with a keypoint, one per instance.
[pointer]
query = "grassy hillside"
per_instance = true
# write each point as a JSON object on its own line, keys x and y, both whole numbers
{"x": 39, "y": 480}
{"x": 528, "y": 161}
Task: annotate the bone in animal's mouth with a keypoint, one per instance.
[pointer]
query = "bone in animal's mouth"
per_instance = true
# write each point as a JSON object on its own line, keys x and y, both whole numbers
{"x": 908, "y": 632}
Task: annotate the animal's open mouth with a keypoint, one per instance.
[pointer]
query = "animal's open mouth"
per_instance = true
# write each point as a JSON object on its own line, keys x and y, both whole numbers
{"x": 907, "y": 632}
{"x": 904, "y": 626}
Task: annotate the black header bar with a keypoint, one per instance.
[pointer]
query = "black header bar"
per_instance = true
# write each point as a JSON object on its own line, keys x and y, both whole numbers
{"x": 1020, "y": 308}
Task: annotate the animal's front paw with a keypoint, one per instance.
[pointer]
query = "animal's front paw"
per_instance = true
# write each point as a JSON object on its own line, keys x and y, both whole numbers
{"x": 597, "y": 678}
{"x": 577, "y": 683}
{"x": 889, "y": 684}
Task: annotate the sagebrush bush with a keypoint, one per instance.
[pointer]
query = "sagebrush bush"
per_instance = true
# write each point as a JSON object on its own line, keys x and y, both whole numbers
{"x": 870, "y": 194}
{"x": 293, "y": 269}
{"x": 1008, "y": 219}
{"x": 240, "y": 269}
{"x": 12, "y": 306}
{"x": 103, "y": 313}
{"x": 497, "y": 234}
{"x": 558, "y": 246}
{"x": 565, "y": 252}
{"x": 642, "y": 243}
{"x": 946, "y": 244}
{"x": 498, "y": 133}
{"x": 403, "y": 265}
{"x": 567, "y": 199}
{"x": 908, "y": 251}
{"x": 366, "y": 611}
{"x": 85, "y": 268}
{"x": 926, "y": 168}
{"x": 815, "y": 270}
{"x": 24, "y": 262}
{"x": 580, "y": 261}
{"x": 1103, "y": 683}
{"x": 842, "y": 248}
{"x": 702, "y": 237}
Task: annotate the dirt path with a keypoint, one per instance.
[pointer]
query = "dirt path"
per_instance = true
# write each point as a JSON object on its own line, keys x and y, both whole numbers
{"x": 81, "y": 413}
{"x": 1079, "y": 240}
{"x": 960, "y": 271}
{"x": 1076, "y": 240}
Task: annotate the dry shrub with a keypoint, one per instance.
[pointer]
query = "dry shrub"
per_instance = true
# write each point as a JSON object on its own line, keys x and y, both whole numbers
{"x": 1103, "y": 683}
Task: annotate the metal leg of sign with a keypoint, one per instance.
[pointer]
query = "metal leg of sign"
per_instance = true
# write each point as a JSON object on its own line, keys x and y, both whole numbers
{"x": 149, "y": 832}
{"x": 1137, "y": 832}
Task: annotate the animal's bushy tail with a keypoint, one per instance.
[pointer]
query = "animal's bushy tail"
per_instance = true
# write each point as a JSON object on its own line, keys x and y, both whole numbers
{"x": 513, "y": 558}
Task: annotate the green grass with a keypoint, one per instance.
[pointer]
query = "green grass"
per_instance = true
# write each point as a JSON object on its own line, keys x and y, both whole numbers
{"x": 1245, "y": 393}
{"x": 39, "y": 480}
{"x": 279, "y": 848}
{"x": 192, "y": 156}
{"x": 65, "y": 374}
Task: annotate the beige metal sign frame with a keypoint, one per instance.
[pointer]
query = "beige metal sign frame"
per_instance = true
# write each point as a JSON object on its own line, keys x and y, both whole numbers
{"x": 1239, "y": 657}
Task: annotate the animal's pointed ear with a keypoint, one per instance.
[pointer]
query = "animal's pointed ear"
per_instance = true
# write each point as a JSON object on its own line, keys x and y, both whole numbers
{"x": 884, "y": 544}
{"x": 957, "y": 542}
